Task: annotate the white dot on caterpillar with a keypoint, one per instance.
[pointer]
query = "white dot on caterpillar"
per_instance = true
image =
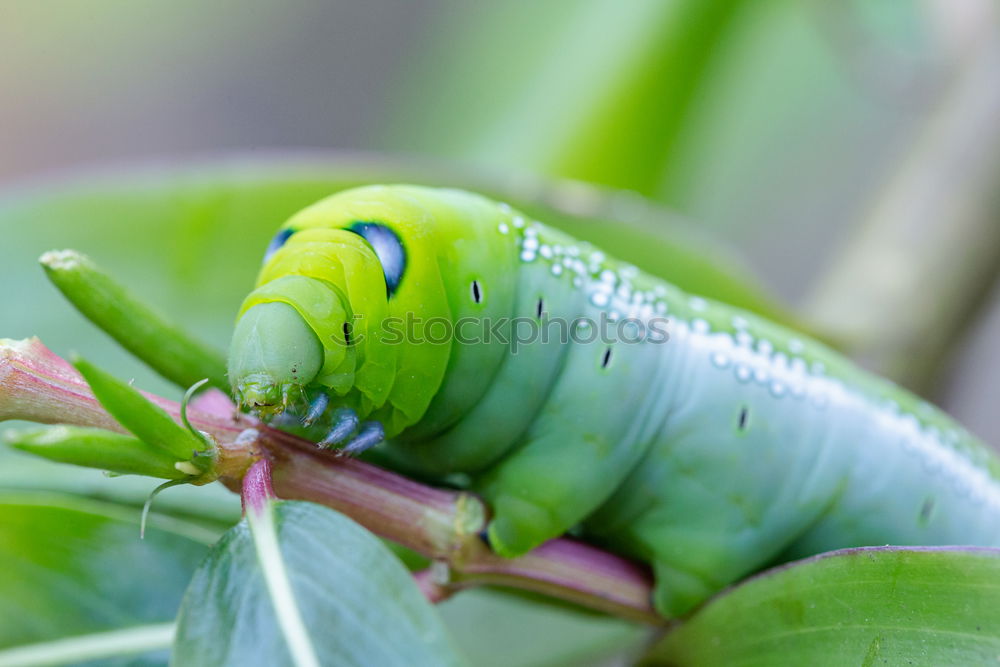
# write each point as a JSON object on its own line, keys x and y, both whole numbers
{"x": 530, "y": 243}
{"x": 795, "y": 346}
{"x": 503, "y": 228}
{"x": 761, "y": 376}
{"x": 697, "y": 304}
{"x": 740, "y": 322}
{"x": 765, "y": 347}
{"x": 743, "y": 339}
{"x": 700, "y": 326}
{"x": 777, "y": 389}
{"x": 557, "y": 269}
{"x": 504, "y": 206}
{"x": 545, "y": 251}
{"x": 519, "y": 222}
{"x": 527, "y": 256}
{"x": 608, "y": 276}
{"x": 743, "y": 373}
{"x": 720, "y": 360}
{"x": 600, "y": 299}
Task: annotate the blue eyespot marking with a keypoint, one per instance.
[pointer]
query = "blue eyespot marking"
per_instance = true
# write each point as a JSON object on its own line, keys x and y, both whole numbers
{"x": 388, "y": 248}
{"x": 276, "y": 243}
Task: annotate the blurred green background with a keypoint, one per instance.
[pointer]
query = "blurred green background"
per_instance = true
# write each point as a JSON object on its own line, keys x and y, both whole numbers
{"x": 847, "y": 151}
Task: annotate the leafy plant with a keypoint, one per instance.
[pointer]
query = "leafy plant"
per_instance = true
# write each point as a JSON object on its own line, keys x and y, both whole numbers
{"x": 299, "y": 583}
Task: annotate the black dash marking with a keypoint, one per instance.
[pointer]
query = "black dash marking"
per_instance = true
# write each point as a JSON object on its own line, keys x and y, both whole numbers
{"x": 925, "y": 510}
{"x": 347, "y": 333}
{"x": 477, "y": 295}
{"x": 744, "y": 418}
{"x": 607, "y": 358}
{"x": 539, "y": 309}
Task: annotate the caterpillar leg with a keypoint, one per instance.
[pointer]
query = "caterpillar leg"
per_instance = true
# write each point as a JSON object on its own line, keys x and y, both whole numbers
{"x": 370, "y": 435}
{"x": 345, "y": 422}
{"x": 316, "y": 409}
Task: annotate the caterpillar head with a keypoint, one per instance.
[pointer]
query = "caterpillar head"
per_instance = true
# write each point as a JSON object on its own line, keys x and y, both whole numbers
{"x": 316, "y": 324}
{"x": 266, "y": 377}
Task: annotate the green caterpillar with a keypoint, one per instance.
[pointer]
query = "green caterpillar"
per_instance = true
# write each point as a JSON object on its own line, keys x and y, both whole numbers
{"x": 709, "y": 452}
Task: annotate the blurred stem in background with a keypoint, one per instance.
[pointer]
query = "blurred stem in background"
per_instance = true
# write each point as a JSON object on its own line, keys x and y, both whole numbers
{"x": 926, "y": 251}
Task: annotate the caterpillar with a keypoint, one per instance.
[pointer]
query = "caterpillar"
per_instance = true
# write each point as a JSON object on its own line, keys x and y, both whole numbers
{"x": 711, "y": 445}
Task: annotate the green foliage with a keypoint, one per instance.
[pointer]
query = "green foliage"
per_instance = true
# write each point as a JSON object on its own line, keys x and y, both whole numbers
{"x": 73, "y": 567}
{"x": 354, "y": 601}
{"x": 95, "y": 448}
{"x": 133, "y": 411}
{"x": 871, "y": 606}
{"x": 198, "y": 216}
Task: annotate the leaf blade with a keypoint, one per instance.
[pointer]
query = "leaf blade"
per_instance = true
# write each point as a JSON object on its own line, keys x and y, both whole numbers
{"x": 358, "y": 603}
{"x": 866, "y": 605}
{"x": 94, "y": 448}
{"x": 149, "y": 422}
{"x": 265, "y": 539}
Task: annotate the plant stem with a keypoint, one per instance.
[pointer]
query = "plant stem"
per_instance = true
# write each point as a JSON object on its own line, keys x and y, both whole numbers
{"x": 167, "y": 348}
{"x": 444, "y": 525}
{"x": 927, "y": 249}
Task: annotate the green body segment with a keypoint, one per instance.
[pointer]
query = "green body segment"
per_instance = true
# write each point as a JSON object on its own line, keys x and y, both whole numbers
{"x": 731, "y": 445}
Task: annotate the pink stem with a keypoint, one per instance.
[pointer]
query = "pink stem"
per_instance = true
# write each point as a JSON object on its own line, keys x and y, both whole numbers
{"x": 257, "y": 490}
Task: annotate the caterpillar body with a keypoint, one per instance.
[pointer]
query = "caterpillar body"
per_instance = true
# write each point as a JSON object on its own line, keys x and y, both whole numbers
{"x": 709, "y": 452}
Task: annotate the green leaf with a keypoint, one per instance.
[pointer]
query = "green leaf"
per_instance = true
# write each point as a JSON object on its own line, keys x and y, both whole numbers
{"x": 149, "y": 422}
{"x": 170, "y": 351}
{"x": 212, "y": 505}
{"x": 175, "y": 230}
{"x": 95, "y": 448}
{"x": 306, "y": 582}
{"x": 74, "y": 567}
{"x": 866, "y": 606}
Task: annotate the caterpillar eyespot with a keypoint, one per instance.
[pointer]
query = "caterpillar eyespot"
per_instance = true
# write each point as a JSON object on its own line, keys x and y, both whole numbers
{"x": 388, "y": 248}
{"x": 646, "y": 458}
{"x": 277, "y": 242}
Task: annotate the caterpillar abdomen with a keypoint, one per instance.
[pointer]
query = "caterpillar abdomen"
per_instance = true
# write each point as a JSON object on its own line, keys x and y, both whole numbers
{"x": 694, "y": 436}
